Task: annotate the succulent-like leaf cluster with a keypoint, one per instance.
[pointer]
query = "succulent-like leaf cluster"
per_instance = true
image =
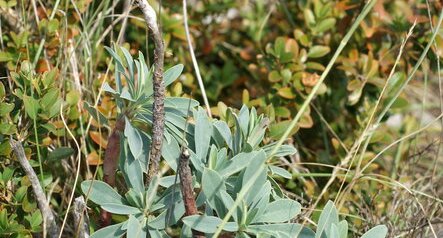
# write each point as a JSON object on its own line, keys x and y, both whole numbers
{"x": 228, "y": 159}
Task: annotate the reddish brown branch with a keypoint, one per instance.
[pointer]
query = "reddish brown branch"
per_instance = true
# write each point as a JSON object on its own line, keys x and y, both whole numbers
{"x": 110, "y": 162}
{"x": 158, "y": 111}
{"x": 187, "y": 190}
{"x": 112, "y": 152}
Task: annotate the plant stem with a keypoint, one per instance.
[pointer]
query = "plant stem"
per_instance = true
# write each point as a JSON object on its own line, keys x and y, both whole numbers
{"x": 194, "y": 60}
{"x": 186, "y": 188}
{"x": 158, "y": 110}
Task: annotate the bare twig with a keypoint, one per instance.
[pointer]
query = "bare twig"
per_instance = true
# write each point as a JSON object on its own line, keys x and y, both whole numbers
{"x": 194, "y": 60}
{"x": 12, "y": 18}
{"x": 81, "y": 219}
{"x": 158, "y": 110}
{"x": 49, "y": 225}
{"x": 186, "y": 187}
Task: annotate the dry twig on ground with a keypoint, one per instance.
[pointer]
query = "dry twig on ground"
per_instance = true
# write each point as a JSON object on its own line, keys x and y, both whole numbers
{"x": 49, "y": 225}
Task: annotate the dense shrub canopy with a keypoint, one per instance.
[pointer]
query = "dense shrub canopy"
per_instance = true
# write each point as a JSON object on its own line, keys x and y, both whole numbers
{"x": 325, "y": 118}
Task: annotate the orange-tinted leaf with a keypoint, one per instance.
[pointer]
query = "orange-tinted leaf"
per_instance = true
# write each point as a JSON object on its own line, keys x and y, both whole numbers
{"x": 309, "y": 80}
{"x": 98, "y": 139}
{"x": 94, "y": 159}
{"x": 306, "y": 121}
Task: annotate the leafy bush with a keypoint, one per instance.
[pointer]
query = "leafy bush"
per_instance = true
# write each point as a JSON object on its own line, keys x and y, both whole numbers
{"x": 229, "y": 168}
{"x": 59, "y": 100}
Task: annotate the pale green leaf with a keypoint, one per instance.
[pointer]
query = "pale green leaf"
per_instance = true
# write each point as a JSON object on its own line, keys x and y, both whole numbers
{"x": 379, "y": 231}
{"x": 280, "y": 211}
{"x": 101, "y": 192}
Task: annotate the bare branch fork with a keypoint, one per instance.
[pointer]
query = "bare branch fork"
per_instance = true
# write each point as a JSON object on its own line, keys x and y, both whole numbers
{"x": 158, "y": 122}
{"x": 186, "y": 188}
{"x": 49, "y": 225}
{"x": 81, "y": 219}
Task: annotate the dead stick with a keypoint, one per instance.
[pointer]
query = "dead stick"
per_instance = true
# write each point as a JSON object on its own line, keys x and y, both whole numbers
{"x": 158, "y": 110}
{"x": 81, "y": 219}
{"x": 186, "y": 187}
{"x": 49, "y": 225}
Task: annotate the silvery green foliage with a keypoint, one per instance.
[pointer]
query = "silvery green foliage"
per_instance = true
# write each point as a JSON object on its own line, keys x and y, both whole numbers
{"x": 226, "y": 156}
{"x": 134, "y": 102}
{"x": 146, "y": 209}
{"x": 329, "y": 226}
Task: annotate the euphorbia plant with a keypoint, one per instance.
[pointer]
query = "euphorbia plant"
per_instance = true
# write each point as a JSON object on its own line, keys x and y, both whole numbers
{"x": 229, "y": 172}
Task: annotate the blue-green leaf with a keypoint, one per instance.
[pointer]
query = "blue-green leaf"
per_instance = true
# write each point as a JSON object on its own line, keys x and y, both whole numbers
{"x": 133, "y": 172}
{"x": 238, "y": 163}
{"x": 283, "y": 150}
{"x": 212, "y": 183}
{"x": 243, "y": 119}
{"x": 289, "y": 229}
{"x": 208, "y": 224}
{"x": 255, "y": 165}
{"x": 130, "y": 63}
{"x": 334, "y": 232}
{"x": 280, "y": 172}
{"x": 171, "y": 152}
{"x": 134, "y": 227}
{"x": 134, "y": 139}
{"x": 222, "y": 132}
{"x": 172, "y": 74}
{"x": 203, "y": 133}
{"x": 108, "y": 89}
{"x": 343, "y": 229}
{"x": 328, "y": 216}
{"x": 126, "y": 95}
{"x": 113, "y": 231}
{"x": 280, "y": 211}
{"x": 379, "y": 231}
{"x": 152, "y": 191}
{"x": 179, "y": 105}
{"x": 101, "y": 192}
{"x": 120, "y": 209}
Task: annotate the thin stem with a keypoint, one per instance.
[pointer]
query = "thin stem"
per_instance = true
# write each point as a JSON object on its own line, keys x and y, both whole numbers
{"x": 194, "y": 60}
{"x": 77, "y": 173}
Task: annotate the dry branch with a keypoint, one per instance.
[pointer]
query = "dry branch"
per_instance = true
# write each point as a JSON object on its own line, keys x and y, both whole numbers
{"x": 110, "y": 163}
{"x": 112, "y": 152}
{"x": 158, "y": 111}
{"x": 49, "y": 225}
{"x": 187, "y": 189}
{"x": 81, "y": 219}
{"x": 12, "y": 19}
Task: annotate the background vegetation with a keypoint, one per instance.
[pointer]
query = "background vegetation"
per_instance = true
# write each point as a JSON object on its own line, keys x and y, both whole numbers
{"x": 370, "y": 140}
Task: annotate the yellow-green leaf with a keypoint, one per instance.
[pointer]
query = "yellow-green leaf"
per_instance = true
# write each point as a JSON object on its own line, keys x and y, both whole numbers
{"x": 286, "y": 92}
{"x": 31, "y": 106}
{"x": 318, "y": 51}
